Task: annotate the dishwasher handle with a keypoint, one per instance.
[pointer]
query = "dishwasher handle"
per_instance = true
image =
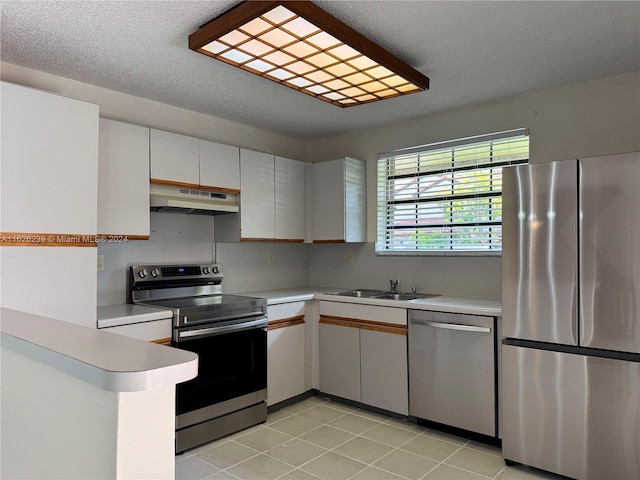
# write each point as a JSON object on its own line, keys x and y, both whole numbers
{"x": 451, "y": 326}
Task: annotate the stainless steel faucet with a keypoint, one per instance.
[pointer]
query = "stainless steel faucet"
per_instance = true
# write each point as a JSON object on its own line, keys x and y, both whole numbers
{"x": 394, "y": 285}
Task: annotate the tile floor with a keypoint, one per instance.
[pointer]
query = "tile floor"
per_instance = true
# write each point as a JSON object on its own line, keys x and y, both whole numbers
{"x": 320, "y": 439}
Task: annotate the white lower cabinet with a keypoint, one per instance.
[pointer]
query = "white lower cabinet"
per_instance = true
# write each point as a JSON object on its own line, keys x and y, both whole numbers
{"x": 340, "y": 361}
{"x": 363, "y": 354}
{"x": 383, "y": 371}
{"x": 285, "y": 352}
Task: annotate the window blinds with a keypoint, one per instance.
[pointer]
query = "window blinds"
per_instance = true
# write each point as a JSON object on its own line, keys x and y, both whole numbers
{"x": 446, "y": 197}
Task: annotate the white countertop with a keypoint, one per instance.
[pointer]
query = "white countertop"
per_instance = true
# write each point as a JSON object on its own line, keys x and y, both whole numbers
{"x": 127, "y": 313}
{"x": 109, "y": 361}
{"x": 443, "y": 303}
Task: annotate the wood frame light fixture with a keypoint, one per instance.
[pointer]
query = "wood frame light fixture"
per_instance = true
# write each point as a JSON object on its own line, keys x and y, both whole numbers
{"x": 299, "y": 45}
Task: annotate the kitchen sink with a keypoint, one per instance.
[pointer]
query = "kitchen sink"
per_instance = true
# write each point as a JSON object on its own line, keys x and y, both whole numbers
{"x": 403, "y": 296}
{"x": 382, "y": 295}
{"x": 360, "y": 292}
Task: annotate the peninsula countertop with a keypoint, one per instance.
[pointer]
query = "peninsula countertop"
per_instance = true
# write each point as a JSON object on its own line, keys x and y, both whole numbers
{"x": 109, "y": 361}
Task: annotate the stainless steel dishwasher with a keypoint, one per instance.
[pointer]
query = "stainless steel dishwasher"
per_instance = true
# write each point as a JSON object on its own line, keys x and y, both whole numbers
{"x": 452, "y": 370}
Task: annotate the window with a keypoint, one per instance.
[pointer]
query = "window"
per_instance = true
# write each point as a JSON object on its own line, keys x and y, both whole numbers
{"x": 446, "y": 198}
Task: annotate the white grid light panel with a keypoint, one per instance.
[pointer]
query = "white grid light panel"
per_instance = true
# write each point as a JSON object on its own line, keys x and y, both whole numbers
{"x": 283, "y": 47}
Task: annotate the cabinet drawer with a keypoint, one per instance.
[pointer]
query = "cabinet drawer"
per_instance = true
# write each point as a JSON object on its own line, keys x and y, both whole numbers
{"x": 158, "y": 331}
{"x": 371, "y": 313}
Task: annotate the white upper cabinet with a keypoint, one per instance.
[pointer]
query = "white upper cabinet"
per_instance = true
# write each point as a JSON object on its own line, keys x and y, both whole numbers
{"x": 219, "y": 166}
{"x": 257, "y": 201}
{"x": 123, "y": 179}
{"x": 174, "y": 158}
{"x": 289, "y": 199}
{"x": 339, "y": 203}
{"x": 272, "y": 201}
{"x": 49, "y": 162}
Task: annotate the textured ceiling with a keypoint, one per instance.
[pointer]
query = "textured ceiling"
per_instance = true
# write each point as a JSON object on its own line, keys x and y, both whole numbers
{"x": 472, "y": 52}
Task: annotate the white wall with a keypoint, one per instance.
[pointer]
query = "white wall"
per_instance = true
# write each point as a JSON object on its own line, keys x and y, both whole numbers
{"x": 189, "y": 239}
{"x": 588, "y": 119}
{"x": 130, "y": 109}
{"x": 54, "y": 426}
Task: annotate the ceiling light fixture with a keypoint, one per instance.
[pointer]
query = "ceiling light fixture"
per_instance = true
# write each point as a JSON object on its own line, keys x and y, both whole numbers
{"x": 297, "y": 44}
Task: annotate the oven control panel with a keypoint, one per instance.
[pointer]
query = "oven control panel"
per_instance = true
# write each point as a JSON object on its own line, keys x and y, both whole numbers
{"x": 170, "y": 273}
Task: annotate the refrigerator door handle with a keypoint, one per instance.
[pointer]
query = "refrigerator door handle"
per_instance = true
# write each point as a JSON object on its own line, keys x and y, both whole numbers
{"x": 452, "y": 326}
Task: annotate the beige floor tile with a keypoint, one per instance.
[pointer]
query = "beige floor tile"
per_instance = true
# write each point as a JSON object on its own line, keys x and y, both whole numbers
{"x": 317, "y": 399}
{"x": 277, "y": 416}
{"x": 389, "y": 435}
{"x": 363, "y": 449}
{"x": 260, "y": 467}
{"x": 430, "y": 447}
{"x": 327, "y": 437}
{"x": 476, "y": 461}
{"x": 486, "y": 448}
{"x": 264, "y": 439}
{"x": 295, "y": 425}
{"x": 447, "y": 472}
{"x": 405, "y": 425}
{"x": 244, "y": 432}
{"x": 406, "y": 464}
{"x": 322, "y": 414}
{"x": 447, "y": 437}
{"x": 298, "y": 474}
{"x": 341, "y": 406}
{"x": 333, "y": 466}
{"x": 354, "y": 423}
{"x": 373, "y": 473}
{"x": 222, "y": 476}
{"x": 301, "y": 406}
{"x": 193, "y": 468}
{"x": 296, "y": 452}
{"x": 228, "y": 454}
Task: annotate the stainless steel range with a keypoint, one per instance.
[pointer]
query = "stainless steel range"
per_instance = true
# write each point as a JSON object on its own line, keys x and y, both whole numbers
{"x": 229, "y": 334}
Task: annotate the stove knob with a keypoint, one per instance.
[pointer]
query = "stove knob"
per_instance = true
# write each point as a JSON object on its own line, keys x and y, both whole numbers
{"x": 154, "y": 272}
{"x": 205, "y": 270}
{"x": 215, "y": 270}
{"x": 142, "y": 273}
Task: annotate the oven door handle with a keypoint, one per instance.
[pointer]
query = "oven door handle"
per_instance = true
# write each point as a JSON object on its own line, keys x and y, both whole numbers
{"x": 238, "y": 327}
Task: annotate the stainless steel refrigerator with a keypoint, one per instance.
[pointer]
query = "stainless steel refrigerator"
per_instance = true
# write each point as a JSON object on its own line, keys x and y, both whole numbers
{"x": 571, "y": 316}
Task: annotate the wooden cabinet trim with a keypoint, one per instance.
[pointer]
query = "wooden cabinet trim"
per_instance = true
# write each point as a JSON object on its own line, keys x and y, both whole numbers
{"x": 171, "y": 183}
{"x": 285, "y": 322}
{"x": 364, "y": 324}
{"x": 330, "y": 241}
{"x": 39, "y": 239}
{"x": 235, "y": 191}
{"x": 249, "y": 239}
{"x": 162, "y": 341}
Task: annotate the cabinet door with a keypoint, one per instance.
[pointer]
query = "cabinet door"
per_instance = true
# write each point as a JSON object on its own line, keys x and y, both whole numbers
{"x": 328, "y": 201}
{"x": 384, "y": 377}
{"x": 64, "y": 288}
{"x": 340, "y": 361}
{"x": 123, "y": 179}
{"x": 174, "y": 158}
{"x": 219, "y": 166}
{"x": 49, "y": 162}
{"x": 289, "y": 199}
{"x": 257, "y": 212}
{"x": 285, "y": 363}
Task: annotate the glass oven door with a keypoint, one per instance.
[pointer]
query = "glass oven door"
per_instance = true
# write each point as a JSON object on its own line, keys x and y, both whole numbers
{"x": 232, "y": 363}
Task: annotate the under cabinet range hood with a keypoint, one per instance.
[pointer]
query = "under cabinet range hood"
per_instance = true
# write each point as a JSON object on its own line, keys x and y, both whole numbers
{"x": 174, "y": 199}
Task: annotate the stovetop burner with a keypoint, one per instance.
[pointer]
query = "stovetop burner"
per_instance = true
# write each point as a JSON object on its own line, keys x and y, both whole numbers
{"x": 192, "y": 292}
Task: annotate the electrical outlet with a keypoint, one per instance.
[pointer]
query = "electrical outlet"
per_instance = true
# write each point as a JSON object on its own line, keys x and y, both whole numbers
{"x": 271, "y": 258}
{"x": 351, "y": 257}
{"x": 100, "y": 263}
